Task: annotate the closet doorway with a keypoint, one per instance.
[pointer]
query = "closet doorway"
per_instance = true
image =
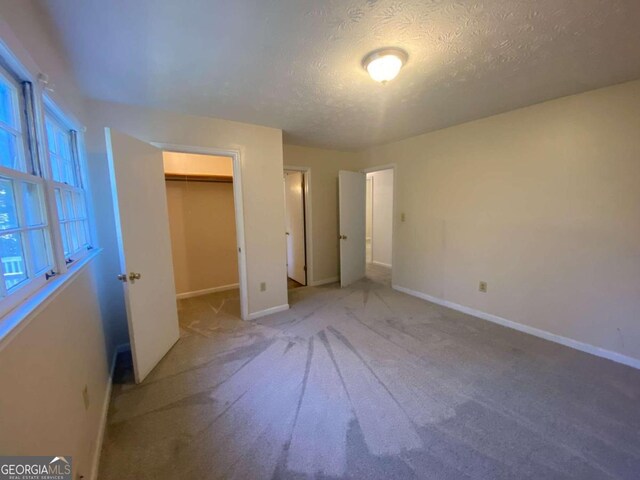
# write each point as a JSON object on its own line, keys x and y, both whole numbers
{"x": 202, "y": 222}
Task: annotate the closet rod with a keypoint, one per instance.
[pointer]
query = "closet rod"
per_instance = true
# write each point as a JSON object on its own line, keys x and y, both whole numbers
{"x": 171, "y": 177}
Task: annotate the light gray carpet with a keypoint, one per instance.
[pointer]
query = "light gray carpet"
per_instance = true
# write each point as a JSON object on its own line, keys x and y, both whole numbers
{"x": 369, "y": 383}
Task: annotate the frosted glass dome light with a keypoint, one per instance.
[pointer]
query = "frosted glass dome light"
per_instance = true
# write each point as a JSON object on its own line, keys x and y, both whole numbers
{"x": 385, "y": 64}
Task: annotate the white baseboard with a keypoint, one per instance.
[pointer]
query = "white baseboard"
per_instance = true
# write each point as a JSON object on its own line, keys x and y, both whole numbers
{"x": 197, "y": 293}
{"x": 375, "y": 262}
{"x": 268, "y": 311}
{"x": 552, "y": 337}
{"x": 325, "y": 281}
{"x": 105, "y": 412}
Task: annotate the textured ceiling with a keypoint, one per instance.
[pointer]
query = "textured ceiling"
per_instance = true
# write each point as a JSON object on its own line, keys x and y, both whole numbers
{"x": 295, "y": 64}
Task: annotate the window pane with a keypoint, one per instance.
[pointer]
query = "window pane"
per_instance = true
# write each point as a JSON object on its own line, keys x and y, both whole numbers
{"x": 82, "y": 234}
{"x": 68, "y": 203}
{"x": 65, "y": 239}
{"x": 6, "y": 105}
{"x": 51, "y": 137}
{"x": 39, "y": 250}
{"x": 69, "y": 173}
{"x": 64, "y": 152}
{"x": 34, "y": 213}
{"x": 57, "y": 170}
{"x": 73, "y": 236}
{"x": 12, "y": 259}
{"x": 78, "y": 202}
{"x": 8, "y": 215}
{"x": 59, "y": 204}
{"x": 9, "y": 150}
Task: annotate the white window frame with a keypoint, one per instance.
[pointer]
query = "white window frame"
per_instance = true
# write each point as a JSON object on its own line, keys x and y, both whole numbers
{"x": 14, "y": 86}
{"x": 53, "y": 113}
{"x": 10, "y": 298}
{"x": 34, "y": 155}
{"x": 35, "y": 280}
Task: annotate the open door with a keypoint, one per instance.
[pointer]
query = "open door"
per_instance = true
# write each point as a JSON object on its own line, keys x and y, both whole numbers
{"x": 352, "y": 199}
{"x": 142, "y": 225}
{"x": 294, "y": 211}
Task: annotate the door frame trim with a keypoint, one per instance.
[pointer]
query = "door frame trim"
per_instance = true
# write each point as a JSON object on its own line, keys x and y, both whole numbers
{"x": 237, "y": 204}
{"x": 308, "y": 248}
{"x": 394, "y": 209}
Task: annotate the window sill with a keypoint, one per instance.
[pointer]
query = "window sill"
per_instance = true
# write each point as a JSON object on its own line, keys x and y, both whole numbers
{"x": 17, "y": 319}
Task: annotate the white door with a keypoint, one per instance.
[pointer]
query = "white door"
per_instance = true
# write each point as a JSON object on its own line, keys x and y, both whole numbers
{"x": 352, "y": 198}
{"x": 294, "y": 208}
{"x": 142, "y": 223}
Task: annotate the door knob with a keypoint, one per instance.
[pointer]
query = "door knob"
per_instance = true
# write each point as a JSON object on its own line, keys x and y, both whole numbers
{"x": 133, "y": 276}
{"x": 342, "y": 237}
{"x": 122, "y": 277}
{"x": 287, "y": 233}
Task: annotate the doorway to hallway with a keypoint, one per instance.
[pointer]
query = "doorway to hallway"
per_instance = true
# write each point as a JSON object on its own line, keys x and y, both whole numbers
{"x": 379, "y": 222}
{"x": 295, "y": 194}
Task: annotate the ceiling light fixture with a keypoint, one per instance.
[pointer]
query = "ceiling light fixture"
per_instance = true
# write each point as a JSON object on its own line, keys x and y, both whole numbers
{"x": 384, "y": 64}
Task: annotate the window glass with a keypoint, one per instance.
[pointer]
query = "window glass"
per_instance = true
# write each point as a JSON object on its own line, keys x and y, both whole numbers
{"x": 11, "y": 155}
{"x": 58, "y": 195}
{"x": 68, "y": 203}
{"x": 6, "y": 104}
{"x": 34, "y": 212}
{"x": 51, "y": 138}
{"x": 82, "y": 233}
{"x": 64, "y": 231}
{"x": 8, "y": 212}
{"x": 9, "y": 150}
{"x": 39, "y": 250}
{"x": 62, "y": 162}
{"x": 70, "y": 200}
{"x": 73, "y": 235}
{"x": 78, "y": 203}
{"x": 12, "y": 257}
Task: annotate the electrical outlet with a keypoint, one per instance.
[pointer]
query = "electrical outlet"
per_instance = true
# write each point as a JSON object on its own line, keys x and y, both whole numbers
{"x": 263, "y": 286}
{"x": 483, "y": 287}
{"x": 85, "y": 397}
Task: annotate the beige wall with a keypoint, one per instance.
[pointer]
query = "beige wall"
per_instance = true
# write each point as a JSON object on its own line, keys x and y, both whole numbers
{"x": 543, "y": 203}
{"x": 193, "y": 164}
{"x": 43, "y": 371}
{"x": 203, "y": 234}
{"x": 263, "y": 196}
{"x": 325, "y": 165}
{"x": 45, "y": 366}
